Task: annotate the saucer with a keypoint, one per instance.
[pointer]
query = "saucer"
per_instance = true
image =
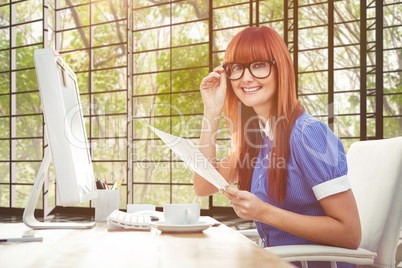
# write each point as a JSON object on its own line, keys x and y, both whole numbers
{"x": 187, "y": 228}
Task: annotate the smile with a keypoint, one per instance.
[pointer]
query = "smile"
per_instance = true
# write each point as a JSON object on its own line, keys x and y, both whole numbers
{"x": 251, "y": 89}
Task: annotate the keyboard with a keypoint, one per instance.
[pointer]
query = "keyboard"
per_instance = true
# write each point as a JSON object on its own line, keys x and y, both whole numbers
{"x": 122, "y": 220}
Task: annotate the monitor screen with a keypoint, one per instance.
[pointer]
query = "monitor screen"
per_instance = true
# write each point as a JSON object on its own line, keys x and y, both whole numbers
{"x": 65, "y": 127}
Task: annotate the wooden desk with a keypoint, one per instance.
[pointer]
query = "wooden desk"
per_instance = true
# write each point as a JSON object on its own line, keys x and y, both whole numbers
{"x": 216, "y": 247}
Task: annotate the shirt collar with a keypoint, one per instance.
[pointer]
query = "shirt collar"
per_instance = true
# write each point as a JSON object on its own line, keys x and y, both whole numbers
{"x": 267, "y": 130}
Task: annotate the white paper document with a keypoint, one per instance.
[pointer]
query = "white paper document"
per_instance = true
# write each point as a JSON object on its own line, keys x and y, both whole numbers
{"x": 190, "y": 154}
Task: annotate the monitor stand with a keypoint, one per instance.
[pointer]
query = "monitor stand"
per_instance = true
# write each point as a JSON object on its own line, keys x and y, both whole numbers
{"x": 28, "y": 216}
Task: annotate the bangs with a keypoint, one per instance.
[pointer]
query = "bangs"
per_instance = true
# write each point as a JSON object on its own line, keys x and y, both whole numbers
{"x": 249, "y": 45}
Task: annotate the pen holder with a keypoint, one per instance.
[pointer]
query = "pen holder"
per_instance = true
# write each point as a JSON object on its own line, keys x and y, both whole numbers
{"x": 106, "y": 203}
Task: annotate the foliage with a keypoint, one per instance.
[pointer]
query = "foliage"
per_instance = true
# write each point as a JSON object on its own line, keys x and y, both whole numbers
{"x": 164, "y": 53}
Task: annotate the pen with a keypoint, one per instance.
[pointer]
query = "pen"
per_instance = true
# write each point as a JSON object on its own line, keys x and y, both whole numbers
{"x": 22, "y": 239}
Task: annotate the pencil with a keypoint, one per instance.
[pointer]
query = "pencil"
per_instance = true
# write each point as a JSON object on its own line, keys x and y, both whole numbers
{"x": 118, "y": 186}
{"x": 114, "y": 185}
{"x": 99, "y": 184}
{"x": 106, "y": 185}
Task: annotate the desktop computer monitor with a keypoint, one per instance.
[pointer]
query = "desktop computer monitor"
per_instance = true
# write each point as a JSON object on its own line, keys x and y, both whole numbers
{"x": 68, "y": 146}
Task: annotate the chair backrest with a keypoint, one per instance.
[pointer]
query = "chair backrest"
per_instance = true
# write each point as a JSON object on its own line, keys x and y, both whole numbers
{"x": 375, "y": 174}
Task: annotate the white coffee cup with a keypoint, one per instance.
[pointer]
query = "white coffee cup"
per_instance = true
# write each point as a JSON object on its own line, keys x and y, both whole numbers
{"x": 181, "y": 214}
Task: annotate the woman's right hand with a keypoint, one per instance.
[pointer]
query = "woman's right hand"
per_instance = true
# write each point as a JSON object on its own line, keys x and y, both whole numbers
{"x": 213, "y": 91}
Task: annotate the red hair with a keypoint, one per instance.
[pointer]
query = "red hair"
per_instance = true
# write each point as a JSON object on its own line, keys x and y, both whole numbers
{"x": 251, "y": 44}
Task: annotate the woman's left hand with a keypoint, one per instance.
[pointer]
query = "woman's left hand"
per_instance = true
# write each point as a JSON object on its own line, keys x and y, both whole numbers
{"x": 246, "y": 205}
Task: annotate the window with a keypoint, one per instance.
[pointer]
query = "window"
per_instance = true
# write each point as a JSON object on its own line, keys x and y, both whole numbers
{"x": 141, "y": 62}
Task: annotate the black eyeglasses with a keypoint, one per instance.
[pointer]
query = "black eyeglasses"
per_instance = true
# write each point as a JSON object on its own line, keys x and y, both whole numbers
{"x": 258, "y": 69}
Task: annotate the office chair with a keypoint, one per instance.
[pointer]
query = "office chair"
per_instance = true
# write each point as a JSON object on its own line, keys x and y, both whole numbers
{"x": 375, "y": 174}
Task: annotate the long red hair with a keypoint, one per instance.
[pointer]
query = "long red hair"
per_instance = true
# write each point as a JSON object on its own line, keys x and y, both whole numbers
{"x": 251, "y": 44}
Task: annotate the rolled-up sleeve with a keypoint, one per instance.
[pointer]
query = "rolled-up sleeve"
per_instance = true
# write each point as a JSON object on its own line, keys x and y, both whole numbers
{"x": 320, "y": 155}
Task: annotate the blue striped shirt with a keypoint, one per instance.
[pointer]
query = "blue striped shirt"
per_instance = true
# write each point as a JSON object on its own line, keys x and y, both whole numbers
{"x": 317, "y": 168}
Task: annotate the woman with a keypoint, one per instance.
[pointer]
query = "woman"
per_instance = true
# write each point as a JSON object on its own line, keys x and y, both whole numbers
{"x": 291, "y": 176}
